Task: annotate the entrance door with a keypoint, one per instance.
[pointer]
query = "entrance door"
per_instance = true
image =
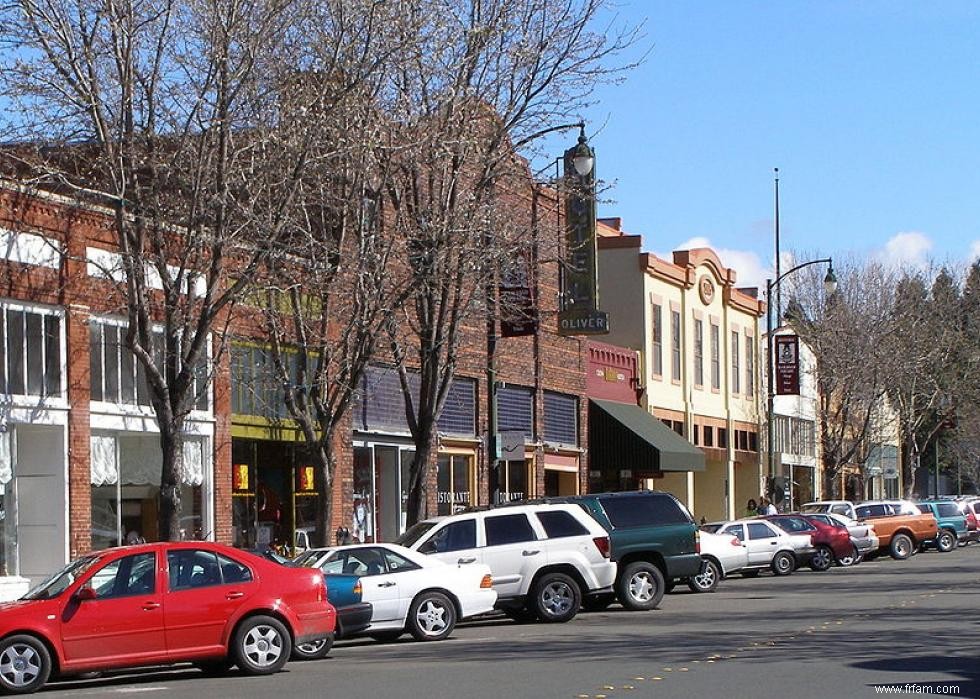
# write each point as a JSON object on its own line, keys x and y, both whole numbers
{"x": 391, "y": 490}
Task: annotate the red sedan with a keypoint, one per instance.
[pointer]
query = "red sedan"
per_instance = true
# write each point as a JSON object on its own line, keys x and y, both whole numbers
{"x": 157, "y": 604}
{"x": 831, "y": 543}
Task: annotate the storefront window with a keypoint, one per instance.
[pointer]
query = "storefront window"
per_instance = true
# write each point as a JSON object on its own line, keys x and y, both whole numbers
{"x": 30, "y": 351}
{"x": 8, "y": 514}
{"x": 125, "y": 472}
{"x": 509, "y": 481}
{"x": 381, "y": 477}
{"x": 454, "y": 479}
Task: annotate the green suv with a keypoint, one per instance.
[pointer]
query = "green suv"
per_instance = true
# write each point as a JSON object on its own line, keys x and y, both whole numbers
{"x": 652, "y": 538}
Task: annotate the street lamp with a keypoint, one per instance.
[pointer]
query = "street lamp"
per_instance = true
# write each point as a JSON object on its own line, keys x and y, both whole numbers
{"x": 830, "y": 288}
{"x": 584, "y": 157}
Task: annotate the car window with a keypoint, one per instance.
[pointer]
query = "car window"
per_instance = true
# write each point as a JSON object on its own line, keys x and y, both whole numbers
{"x": 794, "y": 524}
{"x": 361, "y": 561}
{"x": 948, "y": 509}
{"x": 193, "y": 568}
{"x": 735, "y": 530}
{"x": 456, "y": 536}
{"x": 840, "y": 509}
{"x": 873, "y": 510}
{"x": 132, "y": 575}
{"x": 812, "y": 507}
{"x": 758, "y": 530}
{"x": 643, "y": 511}
{"x": 924, "y": 509}
{"x": 233, "y": 571}
{"x": 559, "y": 524}
{"x": 508, "y": 529}
{"x": 398, "y": 563}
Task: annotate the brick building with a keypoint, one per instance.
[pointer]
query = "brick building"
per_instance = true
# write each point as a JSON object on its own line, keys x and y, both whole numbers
{"x": 79, "y": 453}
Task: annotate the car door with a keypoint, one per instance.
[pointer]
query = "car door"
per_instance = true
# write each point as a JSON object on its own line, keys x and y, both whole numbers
{"x": 125, "y": 621}
{"x": 762, "y": 543}
{"x": 204, "y": 590}
{"x": 378, "y": 586}
{"x": 512, "y": 551}
{"x": 410, "y": 579}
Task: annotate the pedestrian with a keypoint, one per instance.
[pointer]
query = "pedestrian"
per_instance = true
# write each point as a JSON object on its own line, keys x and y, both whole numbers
{"x": 770, "y": 508}
{"x": 751, "y": 508}
{"x": 763, "y": 506}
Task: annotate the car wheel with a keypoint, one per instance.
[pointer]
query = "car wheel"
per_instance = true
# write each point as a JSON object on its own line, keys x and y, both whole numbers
{"x": 313, "y": 650}
{"x": 707, "y": 579}
{"x": 750, "y": 573}
{"x": 556, "y": 598}
{"x": 783, "y": 563}
{"x": 946, "y": 541}
{"x": 431, "y": 617}
{"x": 640, "y": 586}
{"x": 387, "y": 636}
{"x": 901, "y": 547}
{"x": 25, "y": 664}
{"x": 597, "y": 603}
{"x": 851, "y": 559}
{"x": 822, "y": 559}
{"x": 261, "y": 646}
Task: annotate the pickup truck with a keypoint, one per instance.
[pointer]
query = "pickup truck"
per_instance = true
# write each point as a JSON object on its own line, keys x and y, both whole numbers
{"x": 899, "y": 534}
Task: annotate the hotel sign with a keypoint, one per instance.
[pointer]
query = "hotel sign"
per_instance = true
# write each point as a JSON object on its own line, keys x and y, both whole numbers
{"x": 579, "y": 314}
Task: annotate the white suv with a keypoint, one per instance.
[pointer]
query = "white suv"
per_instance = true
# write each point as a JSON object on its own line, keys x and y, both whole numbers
{"x": 543, "y": 557}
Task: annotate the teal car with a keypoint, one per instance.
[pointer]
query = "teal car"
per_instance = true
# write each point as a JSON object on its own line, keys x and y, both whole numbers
{"x": 951, "y": 521}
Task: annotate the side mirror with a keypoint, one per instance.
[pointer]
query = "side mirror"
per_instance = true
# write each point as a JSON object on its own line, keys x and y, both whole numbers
{"x": 84, "y": 594}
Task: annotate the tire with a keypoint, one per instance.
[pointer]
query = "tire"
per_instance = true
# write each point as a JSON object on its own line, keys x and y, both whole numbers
{"x": 432, "y": 617}
{"x": 387, "y": 636}
{"x": 707, "y": 580}
{"x": 640, "y": 586}
{"x": 750, "y": 573}
{"x": 822, "y": 559}
{"x": 261, "y": 645}
{"x": 851, "y": 559}
{"x": 946, "y": 541}
{"x": 556, "y": 598}
{"x": 313, "y": 650}
{"x": 901, "y": 547}
{"x": 783, "y": 563}
{"x": 597, "y": 603}
{"x": 28, "y": 664}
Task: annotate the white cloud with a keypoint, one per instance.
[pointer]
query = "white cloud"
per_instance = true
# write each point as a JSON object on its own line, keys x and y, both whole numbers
{"x": 749, "y": 268}
{"x": 907, "y": 249}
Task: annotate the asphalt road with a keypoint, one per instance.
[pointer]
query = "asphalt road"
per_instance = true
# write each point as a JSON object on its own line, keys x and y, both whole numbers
{"x": 914, "y": 625}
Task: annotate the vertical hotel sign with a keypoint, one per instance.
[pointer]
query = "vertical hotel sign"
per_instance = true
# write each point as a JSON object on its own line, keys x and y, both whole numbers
{"x": 579, "y": 314}
{"x": 787, "y": 351}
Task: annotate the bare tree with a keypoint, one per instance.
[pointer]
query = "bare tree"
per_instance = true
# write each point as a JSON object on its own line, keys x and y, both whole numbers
{"x": 482, "y": 79}
{"x": 848, "y": 334}
{"x": 172, "y": 110}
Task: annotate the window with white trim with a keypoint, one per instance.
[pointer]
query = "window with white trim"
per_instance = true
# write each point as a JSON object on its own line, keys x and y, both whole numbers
{"x": 31, "y": 341}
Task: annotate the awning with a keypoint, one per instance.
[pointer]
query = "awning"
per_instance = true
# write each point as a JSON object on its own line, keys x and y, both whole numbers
{"x": 630, "y": 437}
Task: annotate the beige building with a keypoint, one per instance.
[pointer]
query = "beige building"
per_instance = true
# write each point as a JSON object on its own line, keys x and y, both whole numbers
{"x": 698, "y": 336}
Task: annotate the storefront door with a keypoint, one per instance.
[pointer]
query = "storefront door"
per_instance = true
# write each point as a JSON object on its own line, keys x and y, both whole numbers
{"x": 380, "y": 491}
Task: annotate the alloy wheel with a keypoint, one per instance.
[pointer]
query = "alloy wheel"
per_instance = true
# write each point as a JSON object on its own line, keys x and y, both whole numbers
{"x": 312, "y": 646}
{"x": 642, "y": 587}
{"x": 20, "y": 665}
{"x": 556, "y": 598}
{"x": 263, "y": 645}
{"x": 431, "y": 617}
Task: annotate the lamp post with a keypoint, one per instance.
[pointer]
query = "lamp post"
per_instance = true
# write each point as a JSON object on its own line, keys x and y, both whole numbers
{"x": 830, "y": 287}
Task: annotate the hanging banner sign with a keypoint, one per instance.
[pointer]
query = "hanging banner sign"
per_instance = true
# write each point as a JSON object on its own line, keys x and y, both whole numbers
{"x": 787, "y": 359}
{"x": 518, "y": 313}
{"x": 579, "y": 314}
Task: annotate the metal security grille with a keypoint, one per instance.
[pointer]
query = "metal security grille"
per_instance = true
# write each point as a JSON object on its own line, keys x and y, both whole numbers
{"x": 459, "y": 413}
{"x": 381, "y": 405}
{"x": 560, "y": 418}
{"x": 515, "y": 410}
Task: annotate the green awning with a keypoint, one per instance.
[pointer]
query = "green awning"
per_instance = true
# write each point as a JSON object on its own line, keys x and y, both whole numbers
{"x": 668, "y": 450}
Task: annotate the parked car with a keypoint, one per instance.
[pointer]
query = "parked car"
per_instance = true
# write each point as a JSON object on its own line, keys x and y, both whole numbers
{"x": 157, "y": 604}
{"x": 966, "y": 506}
{"x": 951, "y": 522}
{"x": 830, "y": 541}
{"x": 543, "y": 557}
{"x": 898, "y": 534}
{"x": 837, "y": 507}
{"x": 863, "y": 537}
{"x": 721, "y": 555}
{"x": 409, "y": 591}
{"x": 344, "y": 593}
{"x": 769, "y": 547}
{"x": 652, "y": 539}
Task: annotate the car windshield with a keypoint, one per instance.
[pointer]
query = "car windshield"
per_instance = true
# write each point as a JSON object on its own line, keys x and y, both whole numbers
{"x": 60, "y": 581}
{"x": 306, "y": 559}
{"x": 813, "y": 508}
{"x": 414, "y": 533}
{"x": 793, "y": 524}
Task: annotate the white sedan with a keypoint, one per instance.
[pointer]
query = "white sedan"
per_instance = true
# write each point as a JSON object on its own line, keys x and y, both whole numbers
{"x": 721, "y": 555}
{"x": 409, "y": 591}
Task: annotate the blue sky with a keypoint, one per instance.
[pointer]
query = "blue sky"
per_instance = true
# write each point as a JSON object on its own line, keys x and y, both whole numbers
{"x": 870, "y": 110}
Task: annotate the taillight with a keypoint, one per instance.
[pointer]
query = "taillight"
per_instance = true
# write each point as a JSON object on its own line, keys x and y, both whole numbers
{"x": 697, "y": 541}
{"x": 358, "y": 590}
{"x": 813, "y": 540}
{"x": 602, "y": 543}
{"x": 735, "y": 541}
{"x": 487, "y": 582}
{"x": 321, "y": 590}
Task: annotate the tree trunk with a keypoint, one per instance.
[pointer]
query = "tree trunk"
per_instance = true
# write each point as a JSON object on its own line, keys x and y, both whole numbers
{"x": 831, "y": 483}
{"x": 417, "y": 477}
{"x": 172, "y": 449}
{"x": 910, "y": 463}
{"x": 324, "y": 503}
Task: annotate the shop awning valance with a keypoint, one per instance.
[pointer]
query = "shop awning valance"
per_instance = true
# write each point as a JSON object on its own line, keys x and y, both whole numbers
{"x": 628, "y": 433}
